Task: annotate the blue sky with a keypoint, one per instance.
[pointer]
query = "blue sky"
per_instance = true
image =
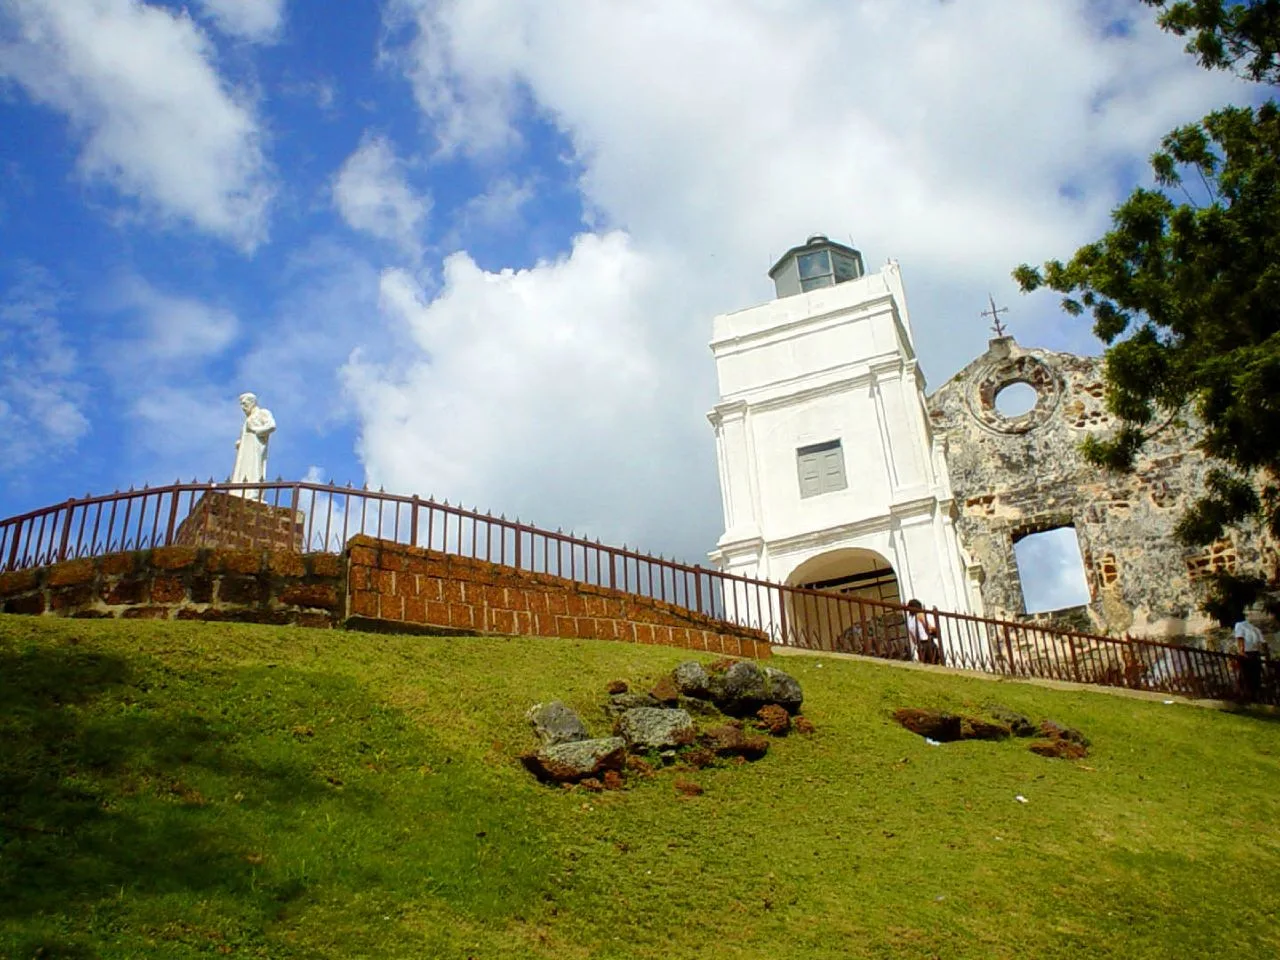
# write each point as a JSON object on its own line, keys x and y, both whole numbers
{"x": 472, "y": 249}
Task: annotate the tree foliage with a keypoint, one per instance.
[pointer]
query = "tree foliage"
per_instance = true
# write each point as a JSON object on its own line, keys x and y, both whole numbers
{"x": 1185, "y": 287}
{"x": 1242, "y": 36}
{"x": 1187, "y": 297}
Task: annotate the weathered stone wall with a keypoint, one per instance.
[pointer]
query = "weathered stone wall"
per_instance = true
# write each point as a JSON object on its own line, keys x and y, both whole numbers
{"x": 186, "y": 583}
{"x": 238, "y": 523}
{"x": 1016, "y": 476}
{"x": 400, "y": 585}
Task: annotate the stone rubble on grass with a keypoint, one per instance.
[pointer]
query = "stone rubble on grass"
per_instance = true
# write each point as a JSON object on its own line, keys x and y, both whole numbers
{"x": 1056, "y": 731}
{"x": 620, "y": 703}
{"x": 728, "y": 740}
{"x": 938, "y": 727}
{"x": 774, "y": 719}
{"x": 653, "y": 728}
{"x": 930, "y": 724}
{"x": 662, "y": 722}
{"x": 578, "y": 760}
{"x": 1018, "y": 725}
{"x": 745, "y": 687}
{"x": 554, "y": 723}
{"x": 665, "y": 691}
{"x": 692, "y": 679}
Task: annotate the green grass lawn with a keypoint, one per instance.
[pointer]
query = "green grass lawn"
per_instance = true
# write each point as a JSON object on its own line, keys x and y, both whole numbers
{"x": 190, "y": 790}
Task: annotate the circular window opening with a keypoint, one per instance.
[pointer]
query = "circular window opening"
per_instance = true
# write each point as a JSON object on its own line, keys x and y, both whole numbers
{"x": 1015, "y": 399}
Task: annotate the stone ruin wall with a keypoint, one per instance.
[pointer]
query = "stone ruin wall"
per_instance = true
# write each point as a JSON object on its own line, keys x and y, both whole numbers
{"x": 1016, "y": 476}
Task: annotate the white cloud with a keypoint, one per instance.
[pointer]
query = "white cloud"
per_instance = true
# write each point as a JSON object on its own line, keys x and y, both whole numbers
{"x": 960, "y": 139}
{"x": 372, "y": 194}
{"x": 1052, "y": 571}
{"x": 534, "y": 392}
{"x": 498, "y": 209}
{"x": 41, "y": 402}
{"x": 259, "y": 21}
{"x": 171, "y": 328}
{"x": 469, "y": 106}
{"x": 159, "y": 124}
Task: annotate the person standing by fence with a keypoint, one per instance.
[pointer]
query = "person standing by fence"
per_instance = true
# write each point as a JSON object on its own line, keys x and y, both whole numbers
{"x": 1250, "y": 644}
{"x": 923, "y": 630}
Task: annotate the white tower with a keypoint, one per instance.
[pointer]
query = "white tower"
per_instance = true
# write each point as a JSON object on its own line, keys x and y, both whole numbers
{"x": 829, "y": 472}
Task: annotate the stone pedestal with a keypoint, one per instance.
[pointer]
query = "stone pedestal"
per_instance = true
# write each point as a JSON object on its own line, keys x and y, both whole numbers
{"x": 231, "y": 522}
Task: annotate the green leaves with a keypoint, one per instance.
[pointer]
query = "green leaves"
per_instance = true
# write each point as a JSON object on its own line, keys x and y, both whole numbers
{"x": 1187, "y": 295}
{"x": 1243, "y": 35}
{"x": 1229, "y": 499}
{"x": 1185, "y": 286}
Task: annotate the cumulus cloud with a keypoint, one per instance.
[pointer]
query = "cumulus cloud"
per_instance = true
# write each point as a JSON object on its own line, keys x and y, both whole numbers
{"x": 42, "y": 402}
{"x": 372, "y": 194}
{"x": 259, "y": 21}
{"x": 158, "y": 122}
{"x": 533, "y": 391}
{"x": 960, "y": 139}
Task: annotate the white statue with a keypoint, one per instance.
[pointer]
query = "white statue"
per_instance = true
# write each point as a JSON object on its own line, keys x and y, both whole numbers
{"x": 251, "y": 448}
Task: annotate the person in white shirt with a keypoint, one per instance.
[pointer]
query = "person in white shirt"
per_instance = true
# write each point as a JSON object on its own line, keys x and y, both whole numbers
{"x": 1251, "y": 645}
{"x": 1250, "y": 637}
{"x": 922, "y": 628}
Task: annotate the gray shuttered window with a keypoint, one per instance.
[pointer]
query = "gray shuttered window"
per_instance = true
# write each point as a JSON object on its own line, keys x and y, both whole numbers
{"x": 821, "y": 468}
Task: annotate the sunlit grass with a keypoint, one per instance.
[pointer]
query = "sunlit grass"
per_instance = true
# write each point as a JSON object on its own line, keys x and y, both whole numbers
{"x": 183, "y": 790}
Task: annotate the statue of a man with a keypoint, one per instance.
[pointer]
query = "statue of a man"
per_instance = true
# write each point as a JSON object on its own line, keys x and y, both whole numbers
{"x": 251, "y": 448}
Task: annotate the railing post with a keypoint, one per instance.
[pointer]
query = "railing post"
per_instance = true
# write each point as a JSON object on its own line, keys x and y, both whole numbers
{"x": 517, "y": 529}
{"x": 66, "y": 529}
{"x": 413, "y": 522}
{"x": 782, "y": 616}
{"x": 173, "y": 517}
{"x": 13, "y": 547}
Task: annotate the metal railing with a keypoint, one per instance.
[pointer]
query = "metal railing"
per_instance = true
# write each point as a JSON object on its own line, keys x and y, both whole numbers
{"x": 321, "y": 518}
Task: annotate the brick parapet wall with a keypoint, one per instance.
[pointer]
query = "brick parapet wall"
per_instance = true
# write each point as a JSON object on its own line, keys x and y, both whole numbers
{"x": 186, "y": 583}
{"x": 224, "y": 520}
{"x": 397, "y": 584}
{"x": 380, "y": 581}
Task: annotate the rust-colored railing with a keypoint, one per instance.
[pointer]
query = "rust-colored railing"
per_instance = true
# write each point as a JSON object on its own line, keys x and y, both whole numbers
{"x": 321, "y": 518}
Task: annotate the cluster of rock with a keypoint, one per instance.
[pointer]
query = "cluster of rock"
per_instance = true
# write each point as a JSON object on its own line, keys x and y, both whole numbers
{"x": 739, "y": 702}
{"x": 1051, "y": 739}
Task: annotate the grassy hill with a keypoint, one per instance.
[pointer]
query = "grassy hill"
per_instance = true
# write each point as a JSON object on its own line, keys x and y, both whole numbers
{"x": 192, "y": 790}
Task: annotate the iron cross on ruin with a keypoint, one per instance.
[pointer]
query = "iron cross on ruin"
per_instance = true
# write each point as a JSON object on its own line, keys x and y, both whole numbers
{"x": 994, "y": 314}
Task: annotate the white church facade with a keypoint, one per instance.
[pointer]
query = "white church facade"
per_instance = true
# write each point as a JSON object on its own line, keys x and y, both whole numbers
{"x": 830, "y": 475}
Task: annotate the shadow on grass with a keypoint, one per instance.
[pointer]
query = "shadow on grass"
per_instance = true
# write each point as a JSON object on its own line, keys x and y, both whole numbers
{"x": 157, "y": 808}
{"x": 93, "y": 803}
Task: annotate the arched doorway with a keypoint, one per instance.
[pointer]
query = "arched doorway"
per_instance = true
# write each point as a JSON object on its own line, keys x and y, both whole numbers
{"x": 859, "y": 622}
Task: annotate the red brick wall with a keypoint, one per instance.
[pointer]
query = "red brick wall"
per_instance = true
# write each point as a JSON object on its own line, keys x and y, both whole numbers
{"x": 186, "y": 583}
{"x": 376, "y": 581}
{"x": 237, "y": 523}
{"x": 396, "y": 584}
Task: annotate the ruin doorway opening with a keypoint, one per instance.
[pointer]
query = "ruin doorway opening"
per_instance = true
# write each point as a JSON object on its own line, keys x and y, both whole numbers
{"x": 1051, "y": 570}
{"x": 859, "y": 620}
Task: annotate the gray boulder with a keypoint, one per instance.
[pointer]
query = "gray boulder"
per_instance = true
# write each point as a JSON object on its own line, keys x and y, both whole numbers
{"x": 555, "y": 723}
{"x": 620, "y": 703}
{"x": 650, "y": 728}
{"x": 692, "y": 680}
{"x": 784, "y": 690}
{"x": 571, "y": 762}
{"x": 746, "y": 687}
